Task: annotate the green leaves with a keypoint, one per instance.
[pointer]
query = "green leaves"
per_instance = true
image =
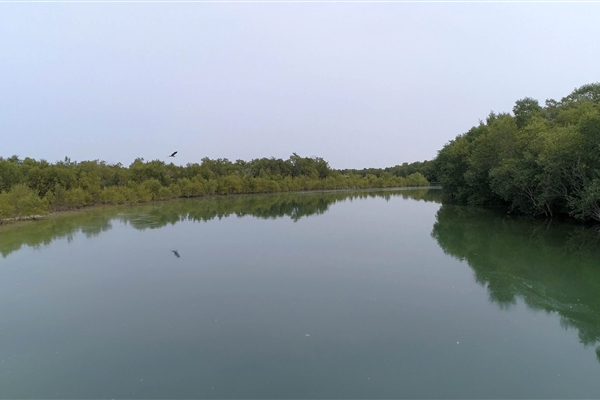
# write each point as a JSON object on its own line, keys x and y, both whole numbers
{"x": 540, "y": 161}
{"x": 21, "y": 201}
{"x": 68, "y": 184}
{"x": 525, "y": 109}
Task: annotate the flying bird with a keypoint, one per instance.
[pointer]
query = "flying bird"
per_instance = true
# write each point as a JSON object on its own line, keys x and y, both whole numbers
{"x": 176, "y": 253}
{"x": 173, "y": 155}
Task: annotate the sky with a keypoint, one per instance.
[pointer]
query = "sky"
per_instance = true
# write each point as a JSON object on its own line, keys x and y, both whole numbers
{"x": 359, "y": 84}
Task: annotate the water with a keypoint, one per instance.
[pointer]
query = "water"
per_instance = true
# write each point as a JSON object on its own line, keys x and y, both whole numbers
{"x": 373, "y": 294}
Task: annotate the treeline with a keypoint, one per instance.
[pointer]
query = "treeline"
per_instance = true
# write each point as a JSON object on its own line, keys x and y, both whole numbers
{"x": 539, "y": 160}
{"x": 425, "y": 168}
{"x": 35, "y": 187}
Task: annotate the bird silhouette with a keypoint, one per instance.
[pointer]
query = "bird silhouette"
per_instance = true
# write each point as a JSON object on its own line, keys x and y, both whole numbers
{"x": 173, "y": 155}
{"x": 176, "y": 253}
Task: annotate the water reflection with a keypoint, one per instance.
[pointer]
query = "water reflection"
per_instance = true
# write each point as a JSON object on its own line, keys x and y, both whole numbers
{"x": 359, "y": 303}
{"x": 551, "y": 266}
{"x": 151, "y": 216}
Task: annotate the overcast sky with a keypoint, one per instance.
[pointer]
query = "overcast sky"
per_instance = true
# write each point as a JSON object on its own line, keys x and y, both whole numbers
{"x": 359, "y": 84}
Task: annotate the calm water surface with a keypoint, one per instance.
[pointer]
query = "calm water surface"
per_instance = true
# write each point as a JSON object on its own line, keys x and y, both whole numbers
{"x": 378, "y": 294}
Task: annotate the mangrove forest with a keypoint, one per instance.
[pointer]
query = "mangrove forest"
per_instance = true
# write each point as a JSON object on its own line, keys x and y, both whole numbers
{"x": 539, "y": 160}
{"x": 31, "y": 187}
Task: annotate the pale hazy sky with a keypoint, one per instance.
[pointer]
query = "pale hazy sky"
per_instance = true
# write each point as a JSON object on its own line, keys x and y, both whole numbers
{"x": 359, "y": 84}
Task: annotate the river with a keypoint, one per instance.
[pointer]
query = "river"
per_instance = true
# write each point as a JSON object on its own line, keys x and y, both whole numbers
{"x": 358, "y": 294}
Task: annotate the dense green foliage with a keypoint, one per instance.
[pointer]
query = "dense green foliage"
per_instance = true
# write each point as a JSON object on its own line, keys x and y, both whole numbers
{"x": 552, "y": 267}
{"x": 405, "y": 170}
{"x": 539, "y": 160}
{"x": 30, "y": 187}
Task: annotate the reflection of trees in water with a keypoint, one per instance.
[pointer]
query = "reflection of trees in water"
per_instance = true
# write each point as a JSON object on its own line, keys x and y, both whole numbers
{"x": 156, "y": 215}
{"x": 553, "y": 267}
{"x": 43, "y": 232}
{"x": 272, "y": 206}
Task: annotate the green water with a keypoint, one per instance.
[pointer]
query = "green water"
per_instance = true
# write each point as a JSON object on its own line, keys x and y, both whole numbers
{"x": 374, "y": 294}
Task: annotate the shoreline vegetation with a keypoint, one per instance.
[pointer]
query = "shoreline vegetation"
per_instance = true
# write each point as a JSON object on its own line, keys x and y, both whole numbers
{"x": 31, "y": 189}
{"x": 540, "y": 160}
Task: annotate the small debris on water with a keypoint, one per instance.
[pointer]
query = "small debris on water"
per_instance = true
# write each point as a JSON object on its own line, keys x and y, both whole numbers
{"x": 141, "y": 379}
{"x": 457, "y": 342}
{"x": 308, "y": 334}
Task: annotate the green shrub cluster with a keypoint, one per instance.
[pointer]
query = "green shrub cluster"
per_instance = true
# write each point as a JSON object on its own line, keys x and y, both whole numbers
{"x": 21, "y": 201}
{"x": 31, "y": 187}
{"x": 403, "y": 170}
{"x": 539, "y": 160}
